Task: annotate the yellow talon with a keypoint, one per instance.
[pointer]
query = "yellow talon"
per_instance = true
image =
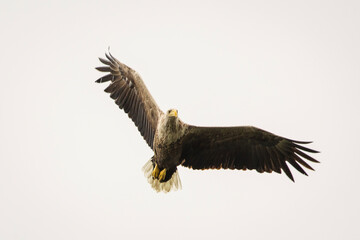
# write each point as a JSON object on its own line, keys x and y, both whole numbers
{"x": 162, "y": 175}
{"x": 156, "y": 171}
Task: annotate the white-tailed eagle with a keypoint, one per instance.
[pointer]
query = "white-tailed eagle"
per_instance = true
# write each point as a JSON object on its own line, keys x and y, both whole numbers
{"x": 176, "y": 143}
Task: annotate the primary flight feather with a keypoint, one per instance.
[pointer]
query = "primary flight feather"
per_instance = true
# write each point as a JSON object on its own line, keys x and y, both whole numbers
{"x": 176, "y": 143}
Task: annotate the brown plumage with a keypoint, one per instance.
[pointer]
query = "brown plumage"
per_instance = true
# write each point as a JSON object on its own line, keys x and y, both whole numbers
{"x": 175, "y": 142}
{"x": 131, "y": 94}
{"x": 242, "y": 148}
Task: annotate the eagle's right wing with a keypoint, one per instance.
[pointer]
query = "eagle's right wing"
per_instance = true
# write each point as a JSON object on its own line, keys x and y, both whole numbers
{"x": 130, "y": 93}
{"x": 243, "y": 148}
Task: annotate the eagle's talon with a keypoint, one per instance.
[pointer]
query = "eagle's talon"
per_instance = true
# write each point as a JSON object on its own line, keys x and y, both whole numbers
{"x": 155, "y": 172}
{"x": 162, "y": 175}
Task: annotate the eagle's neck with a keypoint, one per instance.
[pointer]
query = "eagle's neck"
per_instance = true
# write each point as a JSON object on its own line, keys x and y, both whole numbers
{"x": 170, "y": 129}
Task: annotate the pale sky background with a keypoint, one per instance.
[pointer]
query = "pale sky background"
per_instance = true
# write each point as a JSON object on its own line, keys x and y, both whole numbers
{"x": 70, "y": 160}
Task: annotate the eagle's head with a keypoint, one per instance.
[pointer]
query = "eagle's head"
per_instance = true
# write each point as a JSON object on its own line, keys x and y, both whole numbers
{"x": 172, "y": 121}
{"x": 172, "y": 113}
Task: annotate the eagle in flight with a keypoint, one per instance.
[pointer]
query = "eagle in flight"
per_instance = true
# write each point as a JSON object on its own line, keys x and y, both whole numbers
{"x": 176, "y": 143}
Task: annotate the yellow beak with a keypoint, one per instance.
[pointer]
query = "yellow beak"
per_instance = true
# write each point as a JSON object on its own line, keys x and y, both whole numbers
{"x": 173, "y": 113}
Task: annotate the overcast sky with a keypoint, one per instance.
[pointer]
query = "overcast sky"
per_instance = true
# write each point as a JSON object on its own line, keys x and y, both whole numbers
{"x": 70, "y": 160}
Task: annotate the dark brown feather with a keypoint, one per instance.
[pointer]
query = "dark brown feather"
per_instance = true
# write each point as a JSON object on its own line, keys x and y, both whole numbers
{"x": 105, "y": 78}
{"x": 104, "y": 61}
{"x": 302, "y": 162}
{"x": 130, "y": 93}
{"x": 247, "y": 147}
{"x": 103, "y": 69}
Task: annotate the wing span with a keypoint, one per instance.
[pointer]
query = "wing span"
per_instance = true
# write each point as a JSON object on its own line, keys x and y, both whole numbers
{"x": 243, "y": 148}
{"x": 130, "y": 93}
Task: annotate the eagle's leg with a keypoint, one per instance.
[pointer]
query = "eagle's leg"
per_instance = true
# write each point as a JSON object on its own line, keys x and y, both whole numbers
{"x": 156, "y": 171}
{"x": 162, "y": 175}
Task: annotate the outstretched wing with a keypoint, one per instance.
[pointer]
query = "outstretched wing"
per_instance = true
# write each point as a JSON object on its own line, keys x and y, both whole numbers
{"x": 130, "y": 93}
{"x": 243, "y": 148}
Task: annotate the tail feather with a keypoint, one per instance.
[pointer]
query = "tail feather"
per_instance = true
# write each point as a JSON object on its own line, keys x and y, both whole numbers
{"x": 173, "y": 183}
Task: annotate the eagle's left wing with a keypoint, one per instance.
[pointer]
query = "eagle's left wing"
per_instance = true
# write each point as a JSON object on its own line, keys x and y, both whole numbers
{"x": 243, "y": 148}
{"x": 130, "y": 93}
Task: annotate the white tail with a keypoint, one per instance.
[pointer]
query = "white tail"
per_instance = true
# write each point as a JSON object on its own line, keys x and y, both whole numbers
{"x": 173, "y": 184}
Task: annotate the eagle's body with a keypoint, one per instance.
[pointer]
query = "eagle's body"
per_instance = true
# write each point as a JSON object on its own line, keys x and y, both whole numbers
{"x": 176, "y": 143}
{"x": 167, "y": 142}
